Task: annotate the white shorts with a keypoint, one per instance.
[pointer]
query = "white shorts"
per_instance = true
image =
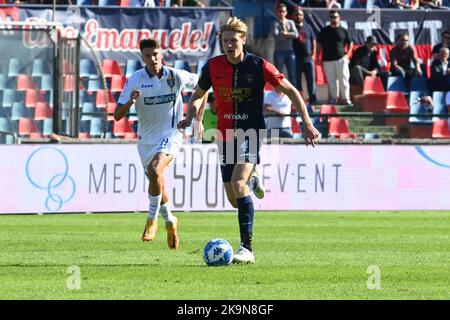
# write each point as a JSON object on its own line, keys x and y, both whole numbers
{"x": 170, "y": 145}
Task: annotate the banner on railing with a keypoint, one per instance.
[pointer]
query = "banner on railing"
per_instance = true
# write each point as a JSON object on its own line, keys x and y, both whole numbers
{"x": 110, "y": 178}
{"x": 115, "y": 32}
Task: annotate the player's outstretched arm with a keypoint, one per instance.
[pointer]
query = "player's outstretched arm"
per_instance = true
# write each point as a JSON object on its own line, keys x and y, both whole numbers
{"x": 310, "y": 133}
{"x": 195, "y": 104}
{"x": 122, "y": 109}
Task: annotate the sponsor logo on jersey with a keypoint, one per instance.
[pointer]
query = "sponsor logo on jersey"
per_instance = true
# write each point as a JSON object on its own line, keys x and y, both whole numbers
{"x": 159, "y": 99}
{"x": 147, "y": 86}
{"x": 229, "y": 116}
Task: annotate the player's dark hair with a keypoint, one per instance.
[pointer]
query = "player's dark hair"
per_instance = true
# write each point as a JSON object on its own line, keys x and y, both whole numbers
{"x": 332, "y": 12}
{"x": 149, "y": 43}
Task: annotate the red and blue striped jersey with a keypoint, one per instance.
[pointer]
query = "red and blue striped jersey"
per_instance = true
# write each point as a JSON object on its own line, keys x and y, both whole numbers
{"x": 239, "y": 90}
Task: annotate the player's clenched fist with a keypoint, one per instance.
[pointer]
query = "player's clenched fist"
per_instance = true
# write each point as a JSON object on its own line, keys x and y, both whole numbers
{"x": 135, "y": 94}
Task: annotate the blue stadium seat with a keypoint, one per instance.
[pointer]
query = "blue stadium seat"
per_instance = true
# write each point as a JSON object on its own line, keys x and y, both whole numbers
{"x": 86, "y": 97}
{"x": 89, "y": 107}
{"x": 96, "y": 127}
{"x": 47, "y": 127}
{"x": 85, "y": 126}
{"x": 85, "y": 2}
{"x": 439, "y": 106}
{"x": 19, "y": 110}
{"x": 40, "y": 67}
{"x": 182, "y": 65}
{"x": 8, "y": 98}
{"x": 396, "y": 84}
{"x": 88, "y": 69}
{"x": 45, "y": 82}
{"x": 95, "y": 85}
{"x": 107, "y": 3}
{"x": 15, "y": 67}
{"x": 5, "y": 82}
{"x": 132, "y": 66}
{"x": 3, "y": 112}
{"x": 419, "y": 84}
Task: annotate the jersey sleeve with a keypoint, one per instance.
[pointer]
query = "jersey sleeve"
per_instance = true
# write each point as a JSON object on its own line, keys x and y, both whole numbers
{"x": 188, "y": 80}
{"x": 204, "y": 82}
{"x": 271, "y": 74}
{"x": 126, "y": 92}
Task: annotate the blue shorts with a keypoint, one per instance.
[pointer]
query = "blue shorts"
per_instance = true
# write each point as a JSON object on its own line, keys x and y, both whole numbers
{"x": 234, "y": 152}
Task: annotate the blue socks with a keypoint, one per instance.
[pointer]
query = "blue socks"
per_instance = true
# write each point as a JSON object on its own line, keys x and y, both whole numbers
{"x": 246, "y": 214}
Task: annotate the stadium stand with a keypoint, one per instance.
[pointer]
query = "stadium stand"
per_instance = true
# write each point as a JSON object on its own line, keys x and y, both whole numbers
{"x": 441, "y": 129}
{"x": 339, "y": 128}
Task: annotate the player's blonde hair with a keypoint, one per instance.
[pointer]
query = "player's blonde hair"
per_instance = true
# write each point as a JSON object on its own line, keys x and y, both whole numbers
{"x": 234, "y": 24}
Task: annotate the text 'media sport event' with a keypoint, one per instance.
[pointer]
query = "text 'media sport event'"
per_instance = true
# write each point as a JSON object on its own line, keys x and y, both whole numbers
{"x": 402, "y": 168}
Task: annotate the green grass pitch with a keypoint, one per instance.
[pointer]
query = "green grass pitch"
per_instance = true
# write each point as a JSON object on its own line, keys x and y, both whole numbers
{"x": 299, "y": 255}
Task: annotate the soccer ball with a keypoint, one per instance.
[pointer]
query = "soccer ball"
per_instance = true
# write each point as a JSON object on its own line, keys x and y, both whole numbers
{"x": 218, "y": 252}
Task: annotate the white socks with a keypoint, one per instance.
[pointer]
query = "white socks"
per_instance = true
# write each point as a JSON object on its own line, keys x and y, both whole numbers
{"x": 155, "y": 205}
{"x": 166, "y": 212}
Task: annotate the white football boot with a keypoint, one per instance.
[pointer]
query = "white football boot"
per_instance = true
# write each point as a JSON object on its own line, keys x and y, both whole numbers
{"x": 243, "y": 256}
{"x": 259, "y": 190}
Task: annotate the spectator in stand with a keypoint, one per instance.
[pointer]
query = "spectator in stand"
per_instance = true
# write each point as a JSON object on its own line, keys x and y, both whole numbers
{"x": 405, "y": 4}
{"x": 440, "y": 72}
{"x": 364, "y": 63}
{"x": 445, "y": 42}
{"x": 291, "y": 5}
{"x": 305, "y": 50}
{"x": 330, "y": 4}
{"x": 278, "y": 106}
{"x": 402, "y": 56}
{"x": 335, "y": 43}
{"x": 284, "y": 31}
{"x": 187, "y": 3}
{"x": 430, "y": 4}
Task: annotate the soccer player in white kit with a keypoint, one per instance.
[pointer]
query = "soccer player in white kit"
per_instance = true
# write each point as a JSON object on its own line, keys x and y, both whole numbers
{"x": 156, "y": 92}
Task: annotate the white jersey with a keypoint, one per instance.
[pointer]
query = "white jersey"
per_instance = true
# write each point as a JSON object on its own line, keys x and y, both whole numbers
{"x": 282, "y": 104}
{"x": 160, "y": 106}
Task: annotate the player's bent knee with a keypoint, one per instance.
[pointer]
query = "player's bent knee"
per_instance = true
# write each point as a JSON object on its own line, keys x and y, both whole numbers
{"x": 154, "y": 170}
{"x": 240, "y": 187}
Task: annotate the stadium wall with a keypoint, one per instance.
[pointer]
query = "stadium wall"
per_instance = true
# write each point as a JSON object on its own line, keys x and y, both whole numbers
{"x": 110, "y": 178}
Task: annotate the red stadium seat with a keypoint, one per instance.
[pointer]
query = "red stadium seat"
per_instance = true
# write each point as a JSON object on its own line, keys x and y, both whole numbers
{"x": 373, "y": 85}
{"x": 295, "y": 126}
{"x": 33, "y": 96}
{"x": 25, "y": 82}
{"x": 117, "y": 83}
{"x": 100, "y": 99}
{"x": 373, "y": 97}
{"x": 327, "y": 109}
{"x": 121, "y": 127}
{"x": 84, "y": 135}
{"x": 396, "y": 103}
{"x": 339, "y": 128}
{"x": 26, "y": 127}
{"x": 130, "y": 135}
{"x": 110, "y": 67}
{"x": 42, "y": 111}
{"x": 441, "y": 129}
